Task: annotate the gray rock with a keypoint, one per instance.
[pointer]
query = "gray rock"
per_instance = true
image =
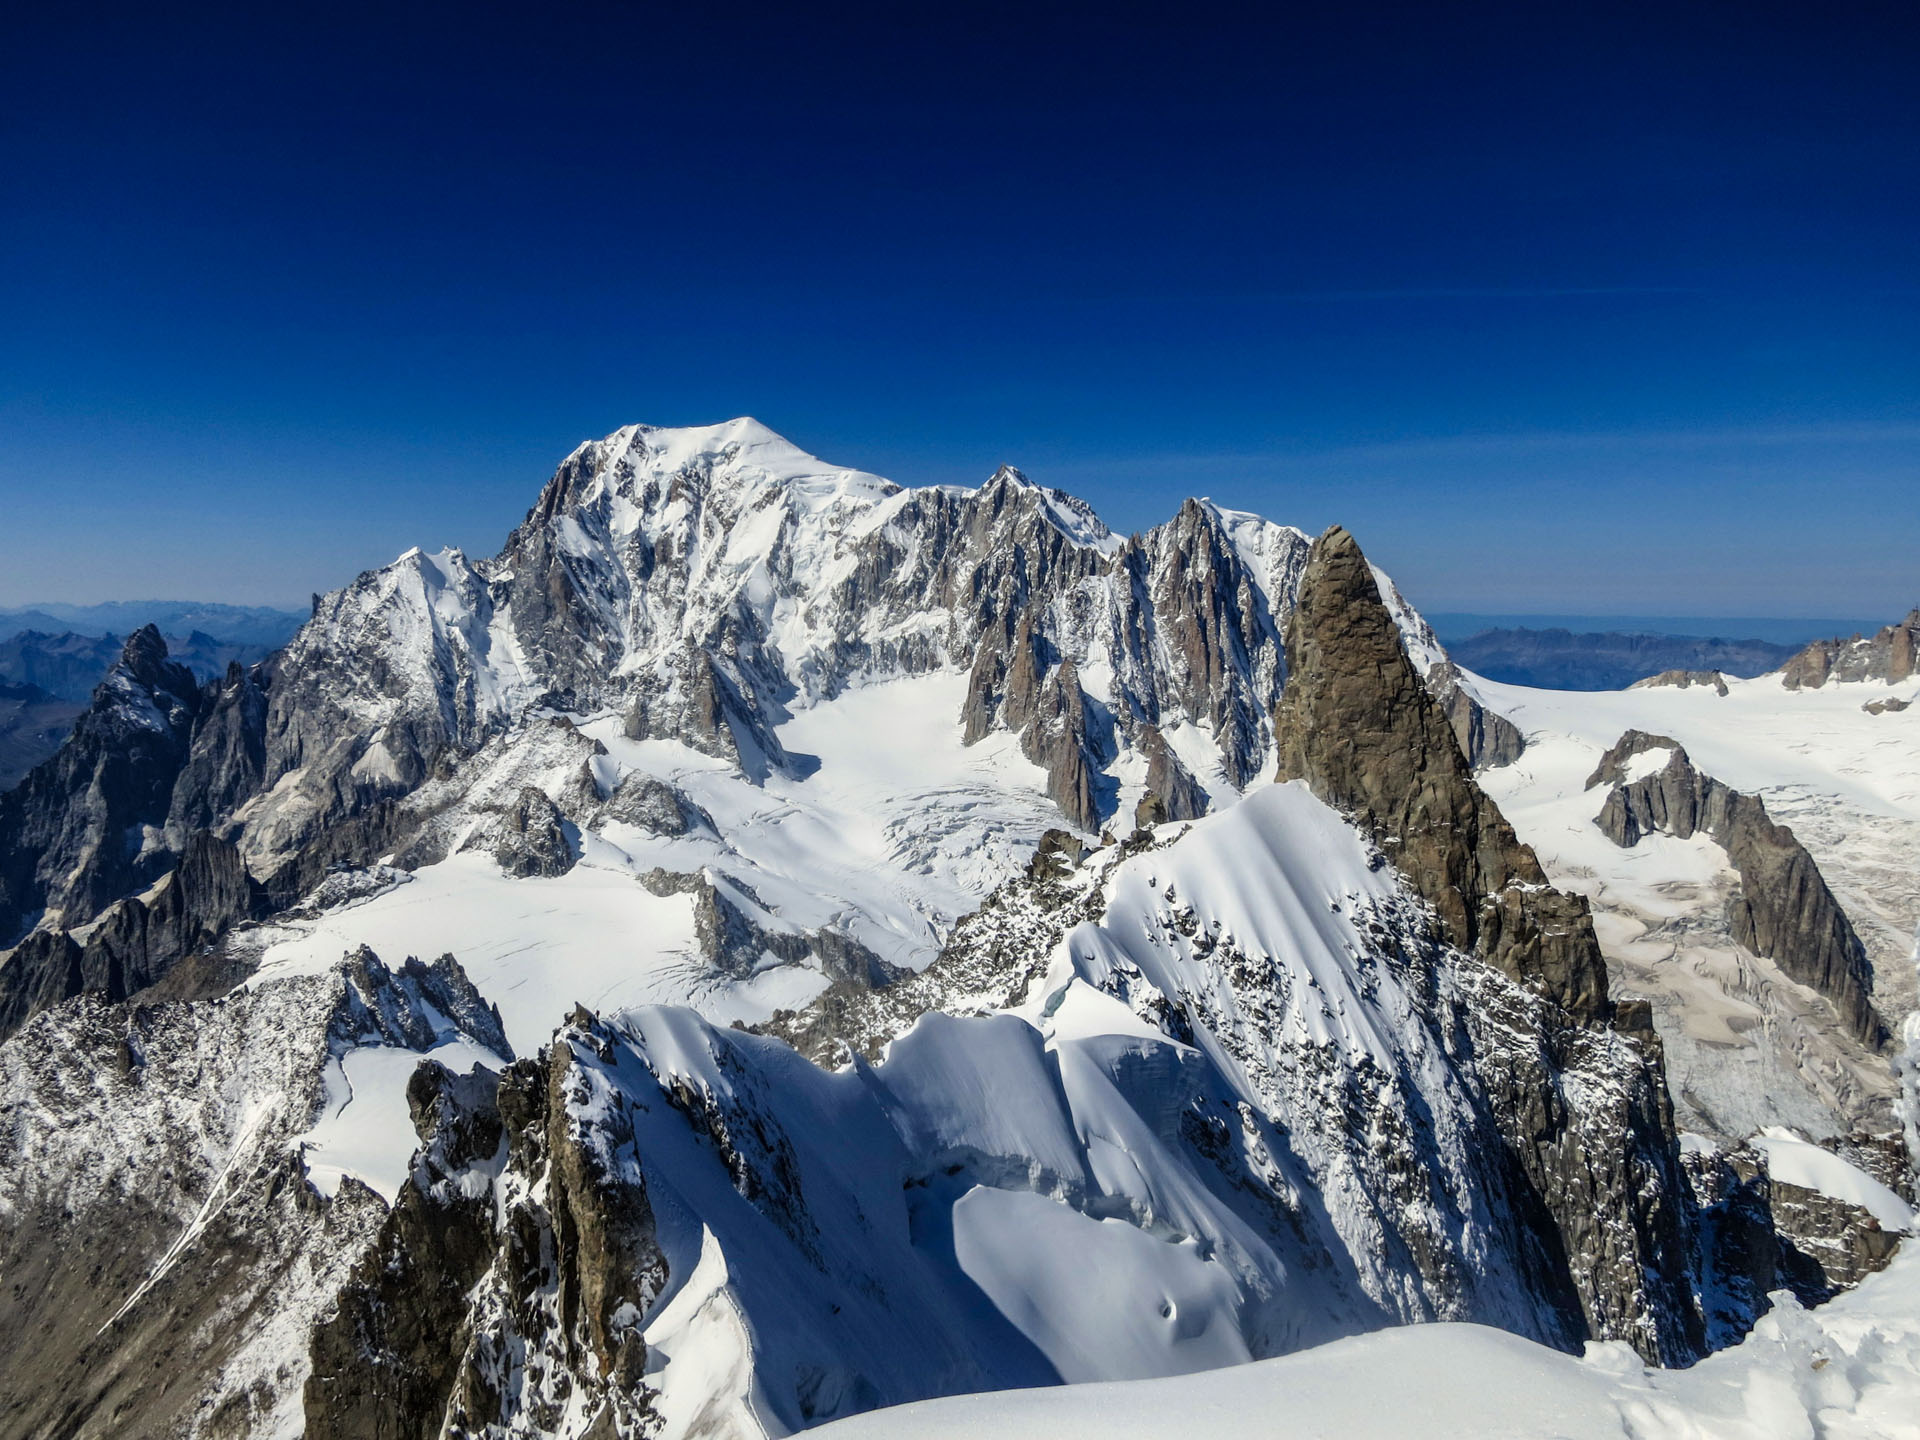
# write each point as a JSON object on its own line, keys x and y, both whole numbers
{"x": 529, "y": 837}
{"x": 1485, "y": 739}
{"x": 72, "y": 833}
{"x": 463, "y": 1323}
{"x": 1358, "y": 726}
{"x": 1783, "y": 908}
{"x": 654, "y": 806}
{"x": 1683, "y": 680}
{"x": 1172, "y": 792}
{"x": 137, "y": 942}
{"x": 1891, "y": 654}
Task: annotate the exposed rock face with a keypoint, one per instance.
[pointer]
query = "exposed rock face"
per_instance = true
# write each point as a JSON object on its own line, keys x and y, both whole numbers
{"x": 73, "y": 834}
{"x": 151, "y": 1185}
{"x": 1760, "y": 1234}
{"x": 1683, "y": 680}
{"x": 1783, "y": 909}
{"x": 1172, "y": 792}
{"x": 385, "y": 1360}
{"x": 1891, "y": 654}
{"x": 137, "y": 942}
{"x": 529, "y": 837}
{"x": 1357, "y": 725}
{"x": 506, "y": 1291}
{"x": 654, "y": 806}
{"x": 737, "y": 933}
{"x": 227, "y": 761}
{"x": 1485, "y": 739}
{"x": 1892, "y": 705}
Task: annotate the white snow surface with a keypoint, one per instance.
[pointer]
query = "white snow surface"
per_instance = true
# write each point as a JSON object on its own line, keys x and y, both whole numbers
{"x": 1795, "y": 1161}
{"x": 899, "y": 831}
{"x": 1849, "y": 1370}
{"x": 366, "y": 1130}
{"x": 1006, "y": 1199}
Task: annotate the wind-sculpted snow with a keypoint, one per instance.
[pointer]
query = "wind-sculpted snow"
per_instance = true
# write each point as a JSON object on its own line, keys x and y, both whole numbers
{"x": 1241, "y": 1085}
{"x": 1847, "y": 1371}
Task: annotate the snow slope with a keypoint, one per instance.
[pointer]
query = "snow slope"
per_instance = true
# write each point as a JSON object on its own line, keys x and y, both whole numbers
{"x": 896, "y": 832}
{"x": 1055, "y": 1187}
{"x": 1847, "y": 1371}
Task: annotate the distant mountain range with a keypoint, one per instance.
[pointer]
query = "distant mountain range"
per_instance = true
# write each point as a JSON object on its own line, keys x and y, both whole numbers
{"x": 1562, "y": 660}
{"x": 239, "y": 624}
{"x": 1456, "y": 625}
{"x": 67, "y": 665}
{"x": 52, "y": 656}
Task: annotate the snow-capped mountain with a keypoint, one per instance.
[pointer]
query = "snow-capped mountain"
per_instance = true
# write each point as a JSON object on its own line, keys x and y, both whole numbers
{"x": 866, "y": 914}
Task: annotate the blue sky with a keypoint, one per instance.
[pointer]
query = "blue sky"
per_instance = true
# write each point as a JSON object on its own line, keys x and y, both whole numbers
{"x": 1560, "y": 309}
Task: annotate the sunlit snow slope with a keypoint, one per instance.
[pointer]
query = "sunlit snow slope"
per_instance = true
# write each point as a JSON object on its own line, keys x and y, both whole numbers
{"x": 1847, "y": 1371}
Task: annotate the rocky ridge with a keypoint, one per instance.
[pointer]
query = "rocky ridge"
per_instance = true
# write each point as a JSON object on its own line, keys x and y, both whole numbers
{"x": 83, "y": 829}
{"x": 702, "y": 585}
{"x": 1783, "y": 909}
{"x": 1892, "y": 654}
{"x": 1356, "y": 723}
{"x": 152, "y": 1186}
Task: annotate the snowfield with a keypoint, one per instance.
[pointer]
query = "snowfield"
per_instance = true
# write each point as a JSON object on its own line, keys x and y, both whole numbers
{"x": 1849, "y": 1370}
{"x": 1747, "y": 1048}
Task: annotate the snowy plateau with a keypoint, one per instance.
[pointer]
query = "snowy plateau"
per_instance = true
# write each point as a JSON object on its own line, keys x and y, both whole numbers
{"x": 775, "y": 949}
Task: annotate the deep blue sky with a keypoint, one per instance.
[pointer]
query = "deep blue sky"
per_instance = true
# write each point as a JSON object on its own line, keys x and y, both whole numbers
{"x": 1610, "y": 310}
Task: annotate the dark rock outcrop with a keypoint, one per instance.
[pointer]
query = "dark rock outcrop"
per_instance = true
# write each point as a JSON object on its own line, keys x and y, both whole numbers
{"x": 1172, "y": 792}
{"x": 1891, "y": 654}
{"x": 529, "y": 837}
{"x": 736, "y": 933}
{"x": 1358, "y": 726}
{"x": 385, "y": 1360}
{"x": 1759, "y": 1234}
{"x": 152, "y": 1187}
{"x": 653, "y": 805}
{"x": 1683, "y": 680}
{"x": 74, "y": 834}
{"x": 466, "y": 1317}
{"x": 1783, "y": 908}
{"x": 227, "y": 761}
{"x": 1485, "y": 738}
{"x": 137, "y": 942}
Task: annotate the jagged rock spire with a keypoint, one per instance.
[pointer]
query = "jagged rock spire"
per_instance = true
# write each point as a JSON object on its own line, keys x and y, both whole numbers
{"x": 1358, "y": 726}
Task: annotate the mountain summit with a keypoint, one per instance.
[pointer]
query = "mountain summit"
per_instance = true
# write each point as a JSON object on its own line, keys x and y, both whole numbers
{"x": 889, "y": 942}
